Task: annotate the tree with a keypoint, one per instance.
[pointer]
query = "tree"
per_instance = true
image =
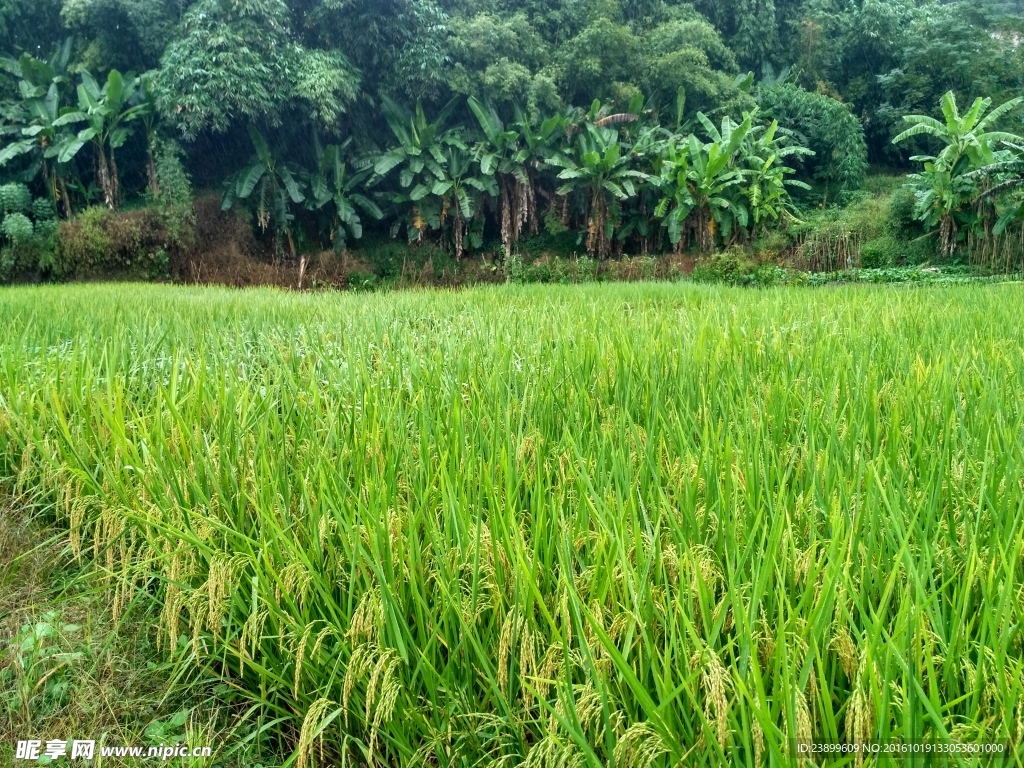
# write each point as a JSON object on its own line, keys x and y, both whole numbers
{"x": 147, "y": 113}
{"x": 275, "y": 185}
{"x": 824, "y": 125}
{"x": 438, "y": 179}
{"x": 107, "y": 112}
{"x": 516, "y": 155}
{"x": 332, "y": 185}
{"x": 595, "y": 165}
{"x": 946, "y": 183}
{"x": 399, "y": 47}
{"x": 967, "y": 137}
{"x": 241, "y": 60}
{"x": 501, "y": 59}
{"x": 41, "y": 118}
{"x": 764, "y": 178}
{"x": 456, "y": 196}
{"x": 689, "y": 54}
{"x": 698, "y": 181}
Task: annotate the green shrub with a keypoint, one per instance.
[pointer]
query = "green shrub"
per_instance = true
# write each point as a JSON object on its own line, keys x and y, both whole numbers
{"x": 26, "y": 232}
{"x": 879, "y": 228}
{"x": 17, "y": 227}
{"x": 14, "y": 198}
{"x": 825, "y": 125}
{"x": 731, "y": 266}
{"x": 767, "y": 275}
{"x": 102, "y": 242}
{"x": 174, "y": 199}
{"x": 772, "y": 244}
{"x": 899, "y": 216}
{"x": 84, "y": 243}
{"x": 556, "y": 240}
{"x": 632, "y": 269}
{"x": 361, "y": 281}
{"x": 553, "y": 270}
{"x": 882, "y": 251}
{"x": 883, "y": 184}
{"x": 391, "y": 258}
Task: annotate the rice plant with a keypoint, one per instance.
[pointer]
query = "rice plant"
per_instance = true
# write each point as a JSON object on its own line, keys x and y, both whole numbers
{"x": 631, "y": 525}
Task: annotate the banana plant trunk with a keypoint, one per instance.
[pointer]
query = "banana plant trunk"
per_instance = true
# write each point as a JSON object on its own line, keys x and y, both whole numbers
{"x": 66, "y": 198}
{"x": 947, "y": 234}
{"x": 57, "y": 189}
{"x": 154, "y": 187}
{"x": 291, "y": 244}
{"x": 115, "y": 180}
{"x": 597, "y": 242}
{"x": 518, "y": 210}
{"x": 508, "y": 233}
{"x": 458, "y": 234}
{"x": 103, "y": 174}
{"x": 702, "y": 229}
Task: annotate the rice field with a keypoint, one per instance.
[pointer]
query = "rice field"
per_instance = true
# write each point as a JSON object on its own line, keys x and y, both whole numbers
{"x": 631, "y": 525}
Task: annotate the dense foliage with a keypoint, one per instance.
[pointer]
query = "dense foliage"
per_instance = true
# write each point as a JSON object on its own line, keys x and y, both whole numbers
{"x": 473, "y": 124}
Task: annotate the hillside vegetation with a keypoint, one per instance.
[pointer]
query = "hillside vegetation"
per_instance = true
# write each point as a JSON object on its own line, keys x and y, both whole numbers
{"x": 361, "y": 144}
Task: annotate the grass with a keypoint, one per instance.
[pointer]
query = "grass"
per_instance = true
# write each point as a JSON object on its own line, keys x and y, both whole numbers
{"x": 632, "y": 525}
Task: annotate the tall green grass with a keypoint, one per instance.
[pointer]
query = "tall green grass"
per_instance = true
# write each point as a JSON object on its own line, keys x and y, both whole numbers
{"x": 632, "y": 525}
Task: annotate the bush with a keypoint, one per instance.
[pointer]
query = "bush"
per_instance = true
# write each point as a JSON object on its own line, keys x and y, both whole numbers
{"x": 26, "y": 232}
{"x": 632, "y": 269}
{"x": 773, "y": 244}
{"x": 900, "y": 220}
{"x": 825, "y": 125}
{"x": 883, "y": 251}
{"x": 84, "y": 243}
{"x": 731, "y": 266}
{"x": 877, "y": 231}
{"x": 390, "y": 258}
{"x": 14, "y": 198}
{"x": 361, "y": 281}
{"x": 551, "y": 270}
{"x": 174, "y": 199}
{"x": 102, "y": 242}
{"x": 556, "y": 240}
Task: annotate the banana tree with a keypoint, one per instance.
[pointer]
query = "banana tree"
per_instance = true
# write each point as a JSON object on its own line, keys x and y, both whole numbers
{"x": 107, "y": 111}
{"x": 700, "y": 181}
{"x": 461, "y": 193}
{"x": 275, "y": 186}
{"x": 765, "y": 184}
{"x": 638, "y": 219}
{"x": 145, "y": 110}
{"x": 420, "y": 142}
{"x": 941, "y": 201}
{"x": 41, "y": 120}
{"x": 419, "y": 156}
{"x": 439, "y": 180}
{"x": 515, "y": 154}
{"x": 451, "y": 202}
{"x": 1008, "y": 175}
{"x": 948, "y": 182}
{"x": 595, "y": 166}
{"x": 332, "y": 185}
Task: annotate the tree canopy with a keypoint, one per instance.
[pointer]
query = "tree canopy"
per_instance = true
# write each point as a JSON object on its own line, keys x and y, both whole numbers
{"x": 93, "y": 91}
